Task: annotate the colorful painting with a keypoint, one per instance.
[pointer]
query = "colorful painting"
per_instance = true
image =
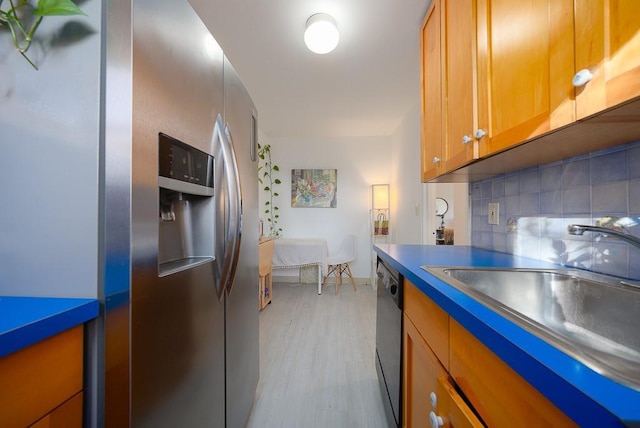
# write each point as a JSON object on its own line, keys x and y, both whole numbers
{"x": 314, "y": 188}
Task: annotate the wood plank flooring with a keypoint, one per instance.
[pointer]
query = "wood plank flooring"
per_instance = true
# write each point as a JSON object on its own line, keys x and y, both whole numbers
{"x": 317, "y": 359}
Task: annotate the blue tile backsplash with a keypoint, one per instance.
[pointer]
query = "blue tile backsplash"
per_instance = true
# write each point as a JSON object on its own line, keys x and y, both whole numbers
{"x": 537, "y": 205}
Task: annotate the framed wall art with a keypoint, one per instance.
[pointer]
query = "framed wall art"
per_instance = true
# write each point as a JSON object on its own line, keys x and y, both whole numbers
{"x": 314, "y": 188}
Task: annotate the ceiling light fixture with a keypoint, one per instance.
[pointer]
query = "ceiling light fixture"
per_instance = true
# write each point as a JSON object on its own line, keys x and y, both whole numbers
{"x": 321, "y": 35}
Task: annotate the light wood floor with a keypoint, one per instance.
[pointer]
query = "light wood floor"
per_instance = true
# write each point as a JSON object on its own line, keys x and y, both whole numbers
{"x": 317, "y": 359}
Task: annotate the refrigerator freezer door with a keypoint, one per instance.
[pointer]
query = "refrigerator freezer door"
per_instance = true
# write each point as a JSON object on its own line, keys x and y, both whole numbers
{"x": 177, "y": 368}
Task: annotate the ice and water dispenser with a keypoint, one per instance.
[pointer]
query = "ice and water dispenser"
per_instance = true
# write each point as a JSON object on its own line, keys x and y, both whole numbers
{"x": 186, "y": 206}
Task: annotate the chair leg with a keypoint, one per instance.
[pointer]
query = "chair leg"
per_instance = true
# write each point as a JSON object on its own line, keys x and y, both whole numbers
{"x": 330, "y": 269}
{"x": 353, "y": 282}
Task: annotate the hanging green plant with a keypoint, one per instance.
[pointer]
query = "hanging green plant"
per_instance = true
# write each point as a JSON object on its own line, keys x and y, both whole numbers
{"x": 266, "y": 177}
{"x": 23, "y": 19}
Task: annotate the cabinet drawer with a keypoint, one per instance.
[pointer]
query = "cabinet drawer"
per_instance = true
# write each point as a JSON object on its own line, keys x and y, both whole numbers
{"x": 430, "y": 320}
{"x": 500, "y": 396}
{"x": 37, "y": 379}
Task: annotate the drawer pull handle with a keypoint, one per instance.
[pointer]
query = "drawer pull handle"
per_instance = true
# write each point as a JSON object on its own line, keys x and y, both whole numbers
{"x": 436, "y": 421}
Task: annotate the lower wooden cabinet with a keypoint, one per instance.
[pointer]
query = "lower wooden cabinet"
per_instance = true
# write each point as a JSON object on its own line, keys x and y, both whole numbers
{"x": 475, "y": 388}
{"x": 41, "y": 385}
{"x": 429, "y": 396}
{"x": 421, "y": 370}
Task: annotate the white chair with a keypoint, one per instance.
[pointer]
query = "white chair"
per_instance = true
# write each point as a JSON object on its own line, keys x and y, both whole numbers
{"x": 339, "y": 263}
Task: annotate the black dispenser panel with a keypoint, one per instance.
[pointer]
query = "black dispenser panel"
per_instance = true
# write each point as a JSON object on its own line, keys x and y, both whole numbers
{"x": 179, "y": 161}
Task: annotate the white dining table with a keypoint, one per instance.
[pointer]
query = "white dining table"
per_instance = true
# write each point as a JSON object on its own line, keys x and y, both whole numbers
{"x": 292, "y": 253}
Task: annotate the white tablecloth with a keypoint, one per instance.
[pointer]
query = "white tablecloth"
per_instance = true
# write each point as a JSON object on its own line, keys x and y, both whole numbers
{"x": 296, "y": 253}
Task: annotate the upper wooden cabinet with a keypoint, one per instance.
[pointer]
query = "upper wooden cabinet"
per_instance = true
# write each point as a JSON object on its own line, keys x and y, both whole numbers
{"x": 525, "y": 67}
{"x": 460, "y": 65}
{"x": 607, "y": 34}
{"x": 507, "y": 71}
{"x": 433, "y": 163}
{"x": 449, "y": 102}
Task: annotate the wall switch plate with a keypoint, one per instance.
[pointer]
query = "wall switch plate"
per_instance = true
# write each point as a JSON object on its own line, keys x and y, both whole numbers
{"x": 494, "y": 213}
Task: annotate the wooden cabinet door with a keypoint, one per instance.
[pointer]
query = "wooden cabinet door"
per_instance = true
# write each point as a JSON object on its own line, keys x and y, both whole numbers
{"x": 526, "y": 50}
{"x": 608, "y": 44}
{"x": 452, "y": 408}
{"x": 432, "y": 116}
{"x": 459, "y": 17}
{"x": 420, "y": 373}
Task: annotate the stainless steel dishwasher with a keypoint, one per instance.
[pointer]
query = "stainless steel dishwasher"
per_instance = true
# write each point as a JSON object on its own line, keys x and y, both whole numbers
{"x": 389, "y": 340}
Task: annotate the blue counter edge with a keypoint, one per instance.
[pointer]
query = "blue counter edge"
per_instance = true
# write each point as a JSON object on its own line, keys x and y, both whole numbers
{"x": 589, "y": 398}
{"x": 25, "y": 321}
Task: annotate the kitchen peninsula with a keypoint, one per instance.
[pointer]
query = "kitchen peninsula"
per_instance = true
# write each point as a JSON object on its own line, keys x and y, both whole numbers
{"x": 41, "y": 360}
{"x": 585, "y": 396}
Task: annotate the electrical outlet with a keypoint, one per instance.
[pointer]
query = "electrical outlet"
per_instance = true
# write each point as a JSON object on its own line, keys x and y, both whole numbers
{"x": 494, "y": 213}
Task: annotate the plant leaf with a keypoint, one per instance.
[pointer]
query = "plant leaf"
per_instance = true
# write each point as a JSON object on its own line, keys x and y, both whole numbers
{"x": 277, "y": 181}
{"x": 276, "y": 168}
{"x": 57, "y": 7}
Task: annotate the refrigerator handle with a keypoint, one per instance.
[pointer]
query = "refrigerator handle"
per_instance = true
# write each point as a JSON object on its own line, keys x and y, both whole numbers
{"x": 233, "y": 233}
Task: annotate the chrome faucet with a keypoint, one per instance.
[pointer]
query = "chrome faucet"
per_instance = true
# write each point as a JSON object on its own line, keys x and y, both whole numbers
{"x": 579, "y": 229}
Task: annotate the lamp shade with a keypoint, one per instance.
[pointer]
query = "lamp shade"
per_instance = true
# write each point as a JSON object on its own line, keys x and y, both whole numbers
{"x": 321, "y": 35}
{"x": 380, "y": 196}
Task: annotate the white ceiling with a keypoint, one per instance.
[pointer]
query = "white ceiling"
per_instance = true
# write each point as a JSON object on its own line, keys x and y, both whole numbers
{"x": 363, "y": 88}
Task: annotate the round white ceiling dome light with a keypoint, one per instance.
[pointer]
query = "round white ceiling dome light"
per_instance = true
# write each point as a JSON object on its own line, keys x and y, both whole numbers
{"x": 321, "y": 35}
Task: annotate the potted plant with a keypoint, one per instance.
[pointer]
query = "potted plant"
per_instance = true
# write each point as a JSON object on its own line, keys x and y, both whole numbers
{"x": 23, "y": 19}
{"x": 266, "y": 170}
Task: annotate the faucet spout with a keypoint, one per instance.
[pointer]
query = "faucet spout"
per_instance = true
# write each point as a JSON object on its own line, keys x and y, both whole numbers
{"x": 579, "y": 229}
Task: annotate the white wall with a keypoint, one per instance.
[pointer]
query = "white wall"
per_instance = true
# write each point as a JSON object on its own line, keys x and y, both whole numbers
{"x": 413, "y": 219}
{"x": 406, "y": 187}
{"x": 360, "y": 161}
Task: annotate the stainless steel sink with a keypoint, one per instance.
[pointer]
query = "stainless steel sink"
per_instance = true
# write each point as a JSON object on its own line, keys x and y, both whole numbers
{"x": 594, "y": 318}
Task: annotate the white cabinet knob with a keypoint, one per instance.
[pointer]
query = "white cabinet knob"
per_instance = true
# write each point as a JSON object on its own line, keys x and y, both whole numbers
{"x": 582, "y": 77}
{"x": 466, "y": 139}
{"x": 436, "y": 159}
{"x": 434, "y": 399}
{"x": 435, "y": 420}
{"x": 480, "y": 133}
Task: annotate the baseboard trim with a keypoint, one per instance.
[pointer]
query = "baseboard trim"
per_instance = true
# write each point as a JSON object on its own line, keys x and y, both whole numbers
{"x": 296, "y": 280}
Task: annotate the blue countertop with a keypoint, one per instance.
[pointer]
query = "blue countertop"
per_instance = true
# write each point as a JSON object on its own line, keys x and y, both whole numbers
{"x": 28, "y": 320}
{"x": 589, "y": 398}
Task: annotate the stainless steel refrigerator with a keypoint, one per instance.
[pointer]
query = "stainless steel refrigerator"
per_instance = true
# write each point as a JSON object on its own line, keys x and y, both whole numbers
{"x": 181, "y": 346}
